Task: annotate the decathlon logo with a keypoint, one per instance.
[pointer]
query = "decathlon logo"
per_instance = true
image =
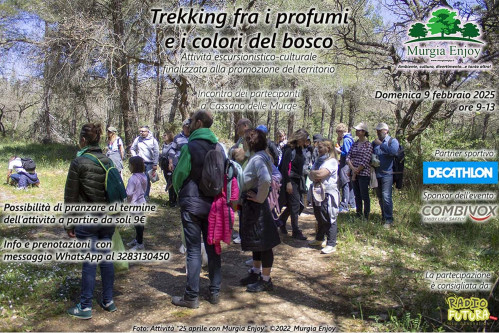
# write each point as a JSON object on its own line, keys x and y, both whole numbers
{"x": 460, "y": 172}
{"x": 457, "y": 213}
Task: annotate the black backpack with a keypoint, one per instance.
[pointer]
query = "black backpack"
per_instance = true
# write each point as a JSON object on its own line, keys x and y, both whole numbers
{"x": 213, "y": 174}
{"x": 398, "y": 166}
{"x": 28, "y": 163}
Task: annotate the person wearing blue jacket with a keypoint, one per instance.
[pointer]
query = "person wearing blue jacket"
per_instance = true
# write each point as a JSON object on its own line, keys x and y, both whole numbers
{"x": 348, "y": 197}
{"x": 386, "y": 148}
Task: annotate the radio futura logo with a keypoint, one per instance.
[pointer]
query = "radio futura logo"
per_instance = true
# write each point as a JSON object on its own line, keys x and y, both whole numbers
{"x": 458, "y": 213}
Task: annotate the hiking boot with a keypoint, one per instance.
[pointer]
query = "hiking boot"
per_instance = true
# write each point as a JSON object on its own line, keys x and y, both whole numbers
{"x": 186, "y": 303}
{"x": 299, "y": 235}
{"x": 214, "y": 298}
{"x": 260, "y": 285}
{"x": 251, "y": 278}
{"x": 315, "y": 242}
{"x": 328, "y": 249}
{"x": 138, "y": 247}
{"x": 283, "y": 229}
{"x": 132, "y": 243}
{"x": 109, "y": 307}
{"x": 77, "y": 312}
{"x": 237, "y": 240}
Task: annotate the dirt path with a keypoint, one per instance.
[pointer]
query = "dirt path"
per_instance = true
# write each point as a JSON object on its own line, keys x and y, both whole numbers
{"x": 304, "y": 290}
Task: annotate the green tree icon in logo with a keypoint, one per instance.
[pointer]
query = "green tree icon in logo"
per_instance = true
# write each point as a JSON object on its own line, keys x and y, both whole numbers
{"x": 470, "y": 30}
{"x": 418, "y": 30}
{"x": 444, "y": 22}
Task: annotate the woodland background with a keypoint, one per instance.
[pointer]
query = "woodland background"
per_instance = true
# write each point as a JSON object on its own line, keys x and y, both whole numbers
{"x": 64, "y": 63}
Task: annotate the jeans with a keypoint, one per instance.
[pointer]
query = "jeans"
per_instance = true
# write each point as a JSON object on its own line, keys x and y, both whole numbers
{"x": 326, "y": 215}
{"x": 384, "y": 193}
{"x": 89, "y": 270}
{"x": 15, "y": 177}
{"x": 149, "y": 166}
{"x": 292, "y": 206}
{"x": 361, "y": 190}
{"x": 193, "y": 226}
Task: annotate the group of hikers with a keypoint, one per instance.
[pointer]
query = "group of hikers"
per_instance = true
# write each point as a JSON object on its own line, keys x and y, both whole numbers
{"x": 256, "y": 178}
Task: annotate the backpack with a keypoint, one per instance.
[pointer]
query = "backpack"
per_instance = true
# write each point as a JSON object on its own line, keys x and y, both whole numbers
{"x": 114, "y": 187}
{"x": 28, "y": 163}
{"x": 398, "y": 165}
{"x": 212, "y": 175}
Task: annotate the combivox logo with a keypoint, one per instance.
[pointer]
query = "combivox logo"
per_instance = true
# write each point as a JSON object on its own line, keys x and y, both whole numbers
{"x": 460, "y": 172}
{"x": 457, "y": 213}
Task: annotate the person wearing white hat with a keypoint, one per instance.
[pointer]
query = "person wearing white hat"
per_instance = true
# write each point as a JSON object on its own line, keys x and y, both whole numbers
{"x": 385, "y": 147}
{"x": 359, "y": 161}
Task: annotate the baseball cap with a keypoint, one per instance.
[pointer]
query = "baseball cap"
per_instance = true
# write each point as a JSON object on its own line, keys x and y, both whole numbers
{"x": 262, "y": 128}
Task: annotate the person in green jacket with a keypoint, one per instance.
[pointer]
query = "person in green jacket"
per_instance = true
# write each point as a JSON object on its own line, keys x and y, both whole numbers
{"x": 194, "y": 210}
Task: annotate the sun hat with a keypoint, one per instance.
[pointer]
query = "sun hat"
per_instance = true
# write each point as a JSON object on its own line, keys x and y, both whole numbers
{"x": 361, "y": 127}
{"x": 319, "y": 192}
{"x": 381, "y": 126}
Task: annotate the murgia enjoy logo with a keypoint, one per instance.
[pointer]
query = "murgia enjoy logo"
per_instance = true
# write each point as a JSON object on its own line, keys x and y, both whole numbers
{"x": 445, "y": 29}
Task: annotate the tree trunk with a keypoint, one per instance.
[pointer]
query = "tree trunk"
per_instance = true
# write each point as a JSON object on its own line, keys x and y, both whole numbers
{"x": 237, "y": 117}
{"x": 276, "y": 125}
{"x": 342, "y": 108}
{"x": 306, "y": 109}
{"x": 269, "y": 122}
{"x": 158, "y": 103}
{"x": 135, "y": 100}
{"x": 160, "y": 85}
{"x": 291, "y": 118}
{"x": 333, "y": 116}
{"x": 322, "y": 119}
{"x": 351, "y": 110}
{"x": 121, "y": 70}
{"x": 183, "y": 107}
{"x": 47, "y": 90}
{"x": 174, "y": 107}
{"x": 485, "y": 125}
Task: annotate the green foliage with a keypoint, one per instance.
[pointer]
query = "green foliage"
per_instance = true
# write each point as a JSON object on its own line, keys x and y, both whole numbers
{"x": 444, "y": 22}
{"x": 470, "y": 30}
{"x": 408, "y": 324}
{"x": 418, "y": 30}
